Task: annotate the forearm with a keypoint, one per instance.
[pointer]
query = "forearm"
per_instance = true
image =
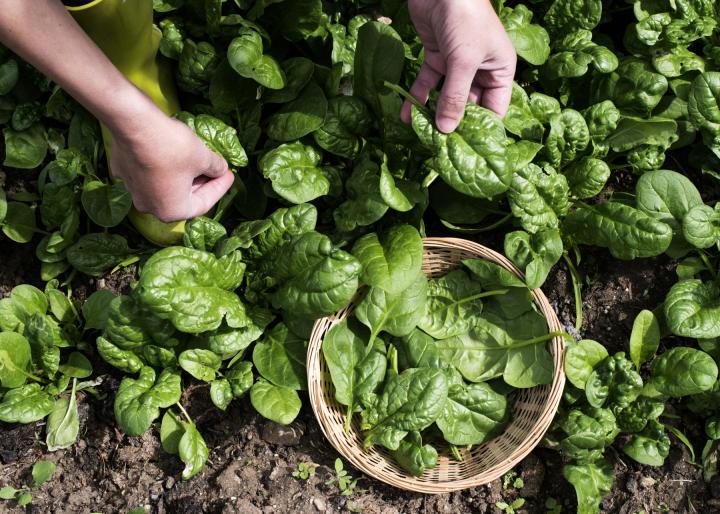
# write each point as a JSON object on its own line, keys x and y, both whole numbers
{"x": 46, "y": 36}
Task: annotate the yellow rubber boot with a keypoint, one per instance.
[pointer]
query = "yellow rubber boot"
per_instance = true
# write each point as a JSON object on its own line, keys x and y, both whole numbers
{"x": 124, "y": 31}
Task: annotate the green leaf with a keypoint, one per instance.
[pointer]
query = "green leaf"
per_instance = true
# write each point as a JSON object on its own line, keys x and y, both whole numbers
{"x": 218, "y": 137}
{"x": 627, "y": 232}
{"x": 19, "y": 224}
{"x": 201, "y": 364}
{"x": 347, "y": 120}
{"x": 96, "y": 309}
{"x": 192, "y": 451}
{"x": 245, "y": 55}
{"x": 94, "y": 254}
{"x": 410, "y": 401}
{"x": 298, "y": 71}
{"x": 15, "y": 358}
{"x": 415, "y": 457}
{"x": 531, "y": 41}
{"x": 391, "y": 260}
{"x": 203, "y": 233}
{"x": 221, "y": 393}
{"x": 454, "y": 304}
{"x": 491, "y": 275}
{"x": 8, "y": 492}
{"x": 535, "y": 254}
{"x": 355, "y": 373}
{"x": 280, "y": 358}
{"x": 649, "y": 447}
{"x": 613, "y": 382}
{"x": 138, "y": 401}
{"x": 106, "y": 204}
{"x": 591, "y": 481}
{"x": 63, "y": 424}
{"x": 379, "y": 57}
{"x": 295, "y": 173}
{"x": 42, "y": 471}
{"x": 704, "y": 107}
{"x": 473, "y": 159}
{"x": 692, "y": 309}
{"x": 581, "y": 359}
{"x": 644, "y": 338}
{"x": 397, "y": 314}
{"x": 26, "y": 404}
{"x": 124, "y": 360}
{"x": 77, "y": 366}
{"x": 682, "y": 371}
{"x": 193, "y": 289}
{"x": 488, "y": 351}
{"x": 701, "y": 226}
{"x": 632, "y": 132}
{"x": 300, "y": 117}
{"x": 313, "y": 277}
{"x": 278, "y": 404}
{"x": 240, "y": 378}
{"x": 171, "y": 431}
{"x": 473, "y": 414}
{"x": 25, "y": 149}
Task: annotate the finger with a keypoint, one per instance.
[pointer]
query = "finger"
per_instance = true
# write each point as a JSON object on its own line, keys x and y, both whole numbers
{"x": 216, "y": 166}
{"x": 426, "y": 80}
{"x": 497, "y": 99}
{"x": 454, "y": 94}
{"x": 475, "y": 95}
{"x": 207, "y": 195}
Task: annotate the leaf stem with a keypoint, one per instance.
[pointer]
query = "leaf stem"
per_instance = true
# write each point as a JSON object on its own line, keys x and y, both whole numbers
{"x": 575, "y": 279}
{"x": 484, "y": 294}
{"x": 348, "y": 417}
{"x": 708, "y": 265}
{"x": 407, "y": 96}
{"x": 187, "y": 416}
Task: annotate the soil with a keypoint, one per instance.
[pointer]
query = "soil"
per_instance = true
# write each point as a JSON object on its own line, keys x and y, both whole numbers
{"x": 252, "y": 460}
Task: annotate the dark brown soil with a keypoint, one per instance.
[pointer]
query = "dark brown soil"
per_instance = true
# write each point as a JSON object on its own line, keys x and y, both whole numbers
{"x": 251, "y": 460}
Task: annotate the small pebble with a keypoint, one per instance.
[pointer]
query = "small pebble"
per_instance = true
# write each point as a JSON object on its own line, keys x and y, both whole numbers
{"x": 319, "y": 504}
{"x": 169, "y": 483}
{"x": 646, "y": 482}
{"x": 275, "y": 433}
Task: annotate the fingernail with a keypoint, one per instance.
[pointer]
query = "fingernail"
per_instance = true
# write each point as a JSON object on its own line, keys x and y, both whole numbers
{"x": 445, "y": 124}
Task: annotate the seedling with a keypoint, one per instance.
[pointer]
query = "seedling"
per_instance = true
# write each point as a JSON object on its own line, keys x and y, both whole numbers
{"x": 510, "y": 479}
{"x": 509, "y": 508}
{"x": 305, "y": 470}
{"x": 41, "y": 473}
{"x": 553, "y": 506}
{"x": 346, "y": 483}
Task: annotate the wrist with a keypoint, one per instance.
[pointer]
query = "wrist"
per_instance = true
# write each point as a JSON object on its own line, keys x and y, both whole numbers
{"x": 129, "y": 112}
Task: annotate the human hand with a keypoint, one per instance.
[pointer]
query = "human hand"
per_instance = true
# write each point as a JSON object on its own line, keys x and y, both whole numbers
{"x": 167, "y": 169}
{"x": 466, "y": 43}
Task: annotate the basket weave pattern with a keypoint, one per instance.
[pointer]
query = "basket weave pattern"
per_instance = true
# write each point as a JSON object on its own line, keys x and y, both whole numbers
{"x": 533, "y": 409}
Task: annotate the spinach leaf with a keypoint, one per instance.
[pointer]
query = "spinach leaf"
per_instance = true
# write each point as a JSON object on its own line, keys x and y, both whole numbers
{"x": 627, "y": 232}
{"x": 193, "y": 289}
{"x": 682, "y": 371}
{"x": 280, "y": 358}
{"x": 390, "y": 260}
{"x": 138, "y": 401}
{"x": 276, "y": 403}
{"x": 474, "y": 158}
{"x": 295, "y": 173}
{"x": 410, "y": 401}
{"x": 692, "y": 308}
{"x": 300, "y": 117}
{"x": 473, "y": 414}
{"x": 313, "y": 277}
{"x": 644, "y": 338}
{"x": 395, "y": 313}
{"x": 581, "y": 359}
{"x": 413, "y": 456}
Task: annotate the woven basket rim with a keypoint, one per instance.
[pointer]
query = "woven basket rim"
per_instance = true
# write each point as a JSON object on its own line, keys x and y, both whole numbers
{"x": 322, "y": 401}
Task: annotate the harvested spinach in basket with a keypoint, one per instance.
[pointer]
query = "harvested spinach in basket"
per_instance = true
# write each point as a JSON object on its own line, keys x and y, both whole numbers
{"x": 424, "y": 362}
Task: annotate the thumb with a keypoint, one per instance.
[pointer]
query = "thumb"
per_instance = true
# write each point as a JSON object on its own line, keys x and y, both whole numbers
{"x": 204, "y": 197}
{"x": 216, "y": 166}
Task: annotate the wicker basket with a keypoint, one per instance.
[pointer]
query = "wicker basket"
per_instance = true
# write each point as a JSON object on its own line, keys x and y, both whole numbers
{"x": 532, "y": 412}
